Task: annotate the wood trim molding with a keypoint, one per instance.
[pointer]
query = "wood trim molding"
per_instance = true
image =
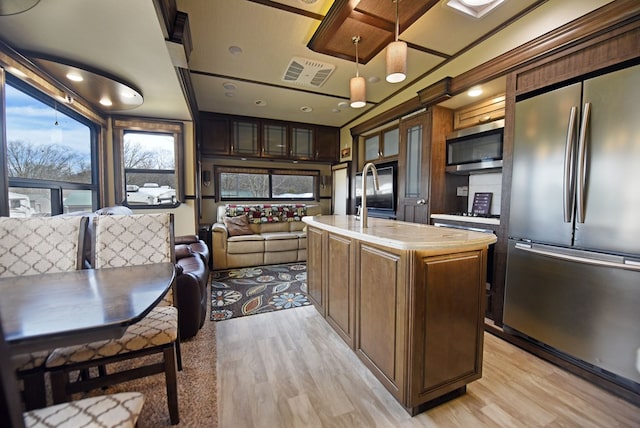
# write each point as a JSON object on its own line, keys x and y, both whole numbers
{"x": 436, "y": 93}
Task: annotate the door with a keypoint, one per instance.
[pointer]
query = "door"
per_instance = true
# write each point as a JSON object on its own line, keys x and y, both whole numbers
{"x": 413, "y": 169}
{"x": 340, "y": 189}
{"x": 612, "y": 157}
{"x": 543, "y": 125}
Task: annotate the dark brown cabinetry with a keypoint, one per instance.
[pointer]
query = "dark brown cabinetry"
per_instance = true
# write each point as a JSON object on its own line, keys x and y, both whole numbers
{"x": 224, "y": 135}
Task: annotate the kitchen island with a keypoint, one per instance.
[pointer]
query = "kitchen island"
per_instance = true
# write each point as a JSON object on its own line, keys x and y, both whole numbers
{"x": 406, "y": 297}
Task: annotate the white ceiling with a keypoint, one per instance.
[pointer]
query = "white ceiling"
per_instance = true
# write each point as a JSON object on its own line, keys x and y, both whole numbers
{"x": 124, "y": 38}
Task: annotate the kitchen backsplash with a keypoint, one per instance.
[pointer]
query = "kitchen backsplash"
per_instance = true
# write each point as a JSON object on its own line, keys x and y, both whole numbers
{"x": 491, "y": 182}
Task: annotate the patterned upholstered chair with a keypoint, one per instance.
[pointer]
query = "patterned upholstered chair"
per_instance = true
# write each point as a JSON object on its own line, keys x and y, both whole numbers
{"x": 126, "y": 240}
{"x": 31, "y": 246}
{"x": 107, "y": 411}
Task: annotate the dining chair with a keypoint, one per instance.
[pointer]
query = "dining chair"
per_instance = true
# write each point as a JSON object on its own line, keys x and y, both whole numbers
{"x": 120, "y": 241}
{"x": 31, "y": 246}
{"x": 107, "y": 411}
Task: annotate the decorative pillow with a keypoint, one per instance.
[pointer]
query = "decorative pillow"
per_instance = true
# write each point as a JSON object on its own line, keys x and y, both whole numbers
{"x": 238, "y": 225}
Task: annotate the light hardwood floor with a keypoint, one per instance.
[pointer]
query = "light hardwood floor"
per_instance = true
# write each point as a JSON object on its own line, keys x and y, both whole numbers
{"x": 290, "y": 369}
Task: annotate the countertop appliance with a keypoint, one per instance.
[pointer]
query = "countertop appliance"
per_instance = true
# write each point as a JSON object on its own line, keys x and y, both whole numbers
{"x": 573, "y": 260}
{"x": 475, "y": 149}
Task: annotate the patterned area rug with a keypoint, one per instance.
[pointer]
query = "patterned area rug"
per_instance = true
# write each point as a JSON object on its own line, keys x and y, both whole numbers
{"x": 256, "y": 290}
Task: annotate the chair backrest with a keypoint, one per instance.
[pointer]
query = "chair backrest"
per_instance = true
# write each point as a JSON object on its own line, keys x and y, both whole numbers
{"x": 35, "y": 245}
{"x": 131, "y": 240}
{"x": 10, "y": 404}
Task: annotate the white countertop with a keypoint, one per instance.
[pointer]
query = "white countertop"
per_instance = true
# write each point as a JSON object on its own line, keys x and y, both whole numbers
{"x": 466, "y": 218}
{"x": 401, "y": 235}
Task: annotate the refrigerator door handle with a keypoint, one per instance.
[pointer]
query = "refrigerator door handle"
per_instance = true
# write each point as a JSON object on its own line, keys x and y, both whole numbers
{"x": 582, "y": 162}
{"x": 568, "y": 189}
{"x": 623, "y": 264}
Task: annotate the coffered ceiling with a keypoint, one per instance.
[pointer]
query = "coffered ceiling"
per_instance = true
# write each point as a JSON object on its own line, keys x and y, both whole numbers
{"x": 245, "y": 51}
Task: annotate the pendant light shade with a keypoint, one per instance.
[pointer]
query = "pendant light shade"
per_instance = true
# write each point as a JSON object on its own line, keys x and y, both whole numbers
{"x": 358, "y": 91}
{"x": 396, "y": 56}
{"x": 396, "y": 62}
{"x": 357, "y": 85}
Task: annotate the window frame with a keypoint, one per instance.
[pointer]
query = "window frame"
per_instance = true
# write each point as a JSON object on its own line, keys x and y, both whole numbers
{"x": 56, "y": 188}
{"x": 218, "y": 170}
{"x": 176, "y": 129}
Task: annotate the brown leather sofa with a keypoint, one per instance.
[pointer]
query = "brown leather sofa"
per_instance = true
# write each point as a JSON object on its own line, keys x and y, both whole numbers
{"x": 192, "y": 270}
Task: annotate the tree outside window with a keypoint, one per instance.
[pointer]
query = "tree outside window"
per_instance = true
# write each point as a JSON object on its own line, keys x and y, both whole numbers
{"x": 50, "y": 155}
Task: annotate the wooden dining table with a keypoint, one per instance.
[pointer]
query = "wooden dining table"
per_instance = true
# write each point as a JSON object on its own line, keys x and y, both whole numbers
{"x": 69, "y": 308}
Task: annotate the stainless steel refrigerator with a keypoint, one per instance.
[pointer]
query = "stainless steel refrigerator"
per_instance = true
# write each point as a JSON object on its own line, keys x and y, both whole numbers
{"x": 573, "y": 261}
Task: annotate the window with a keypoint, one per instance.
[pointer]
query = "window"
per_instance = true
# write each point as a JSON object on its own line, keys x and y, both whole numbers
{"x": 266, "y": 184}
{"x": 51, "y": 154}
{"x": 150, "y": 154}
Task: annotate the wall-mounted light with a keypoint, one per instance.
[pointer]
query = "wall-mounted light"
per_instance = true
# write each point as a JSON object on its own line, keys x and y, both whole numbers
{"x": 206, "y": 178}
{"x": 396, "y": 55}
{"x": 357, "y": 84}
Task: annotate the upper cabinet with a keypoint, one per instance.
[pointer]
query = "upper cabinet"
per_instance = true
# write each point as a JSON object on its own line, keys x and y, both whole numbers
{"x": 222, "y": 135}
{"x": 381, "y": 146}
{"x": 481, "y": 112}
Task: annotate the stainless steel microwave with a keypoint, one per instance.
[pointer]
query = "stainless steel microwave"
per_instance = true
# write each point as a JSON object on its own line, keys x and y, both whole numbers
{"x": 475, "y": 149}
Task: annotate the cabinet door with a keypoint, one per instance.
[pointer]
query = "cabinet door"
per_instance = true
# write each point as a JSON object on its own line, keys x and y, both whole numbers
{"x": 413, "y": 176}
{"x": 302, "y": 142}
{"x": 245, "y": 138}
{"x": 381, "y": 315}
{"x": 315, "y": 276}
{"x": 275, "y": 141}
{"x": 327, "y": 144}
{"x": 372, "y": 148}
{"x": 214, "y": 135}
{"x": 448, "y": 324}
{"x": 391, "y": 143}
{"x": 340, "y": 289}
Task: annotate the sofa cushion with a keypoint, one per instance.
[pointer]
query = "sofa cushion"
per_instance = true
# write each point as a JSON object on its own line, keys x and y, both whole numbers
{"x": 238, "y": 226}
{"x": 245, "y": 244}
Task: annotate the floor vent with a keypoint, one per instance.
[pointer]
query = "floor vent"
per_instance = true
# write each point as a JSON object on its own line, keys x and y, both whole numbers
{"x": 307, "y": 72}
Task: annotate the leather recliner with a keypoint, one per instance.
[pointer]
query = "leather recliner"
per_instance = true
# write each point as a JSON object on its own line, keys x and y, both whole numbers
{"x": 192, "y": 274}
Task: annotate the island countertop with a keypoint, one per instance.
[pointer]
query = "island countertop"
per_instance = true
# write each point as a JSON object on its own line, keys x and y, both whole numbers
{"x": 402, "y": 235}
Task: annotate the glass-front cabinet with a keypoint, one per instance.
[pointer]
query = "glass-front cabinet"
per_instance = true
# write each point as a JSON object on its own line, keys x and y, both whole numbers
{"x": 383, "y": 145}
{"x": 302, "y": 142}
{"x": 245, "y": 138}
{"x": 226, "y": 135}
{"x": 274, "y": 140}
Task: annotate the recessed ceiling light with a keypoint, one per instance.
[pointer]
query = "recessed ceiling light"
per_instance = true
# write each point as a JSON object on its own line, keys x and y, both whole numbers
{"x": 261, "y": 103}
{"x": 306, "y": 109}
{"x": 373, "y": 79}
{"x": 335, "y": 110}
{"x": 476, "y": 91}
{"x": 106, "y": 102}
{"x": 230, "y": 94}
{"x": 229, "y": 86}
{"x": 76, "y": 77}
{"x": 343, "y": 104}
{"x": 235, "y": 50}
{"x": 308, "y": 1}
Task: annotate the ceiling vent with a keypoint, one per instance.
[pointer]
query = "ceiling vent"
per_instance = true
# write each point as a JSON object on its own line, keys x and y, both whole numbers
{"x": 307, "y": 72}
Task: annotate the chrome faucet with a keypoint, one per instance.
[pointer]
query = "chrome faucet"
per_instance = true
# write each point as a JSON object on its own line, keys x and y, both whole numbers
{"x": 363, "y": 210}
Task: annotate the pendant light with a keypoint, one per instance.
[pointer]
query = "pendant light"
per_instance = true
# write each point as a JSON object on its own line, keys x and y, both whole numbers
{"x": 357, "y": 85}
{"x": 396, "y": 56}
